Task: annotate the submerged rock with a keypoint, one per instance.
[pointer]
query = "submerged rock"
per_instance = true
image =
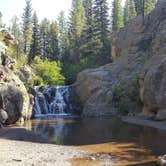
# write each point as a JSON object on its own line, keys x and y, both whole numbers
{"x": 115, "y": 87}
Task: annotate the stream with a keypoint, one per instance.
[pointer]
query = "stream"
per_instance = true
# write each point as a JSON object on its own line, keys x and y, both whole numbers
{"x": 58, "y": 121}
{"x": 128, "y": 142}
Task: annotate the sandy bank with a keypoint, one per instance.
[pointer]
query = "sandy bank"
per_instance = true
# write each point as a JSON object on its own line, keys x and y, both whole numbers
{"x": 20, "y": 147}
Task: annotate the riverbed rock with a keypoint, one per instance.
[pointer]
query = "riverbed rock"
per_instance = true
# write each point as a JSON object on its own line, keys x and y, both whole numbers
{"x": 161, "y": 161}
{"x": 115, "y": 87}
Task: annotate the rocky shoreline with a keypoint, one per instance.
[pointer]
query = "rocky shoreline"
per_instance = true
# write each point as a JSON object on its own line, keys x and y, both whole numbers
{"x": 161, "y": 125}
{"x": 22, "y": 147}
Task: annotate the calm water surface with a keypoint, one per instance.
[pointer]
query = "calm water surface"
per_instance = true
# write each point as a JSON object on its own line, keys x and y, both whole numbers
{"x": 98, "y": 131}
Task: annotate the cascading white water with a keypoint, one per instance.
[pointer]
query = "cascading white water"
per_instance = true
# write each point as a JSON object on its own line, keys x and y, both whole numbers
{"x": 54, "y": 100}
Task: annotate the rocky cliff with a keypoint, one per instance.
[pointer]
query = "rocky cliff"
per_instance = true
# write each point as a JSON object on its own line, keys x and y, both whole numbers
{"x": 115, "y": 87}
{"x": 14, "y": 98}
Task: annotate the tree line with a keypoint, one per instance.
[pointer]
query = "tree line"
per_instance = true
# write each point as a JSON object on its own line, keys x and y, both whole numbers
{"x": 83, "y": 40}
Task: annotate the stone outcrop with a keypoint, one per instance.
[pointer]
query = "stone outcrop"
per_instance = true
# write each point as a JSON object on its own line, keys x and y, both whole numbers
{"x": 115, "y": 86}
{"x": 25, "y": 74}
{"x": 153, "y": 87}
{"x": 15, "y": 101}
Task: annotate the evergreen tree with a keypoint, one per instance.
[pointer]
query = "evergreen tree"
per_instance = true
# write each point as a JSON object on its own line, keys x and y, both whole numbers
{"x": 63, "y": 36}
{"x": 144, "y": 6}
{"x": 102, "y": 29}
{"x": 1, "y": 24}
{"x": 53, "y": 47}
{"x": 77, "y": 26}
{"x": 44, "y": 33}
{"x": 15, "y": 29}
{"x": 117, "y": 16}
{"x": 126, "y": 12}
{"x": 92, "y": 45}
{"x": 77, "y": 19}
{"x": 16, "y": 32}
{"x": 35, "y": 45}
{"x": 149, "y": 6}
{"x": 129, "y": 11}
{"x": 132, "y": 11}
{"x": 88, "y": 4}
{"x": 27, "y": 26}
{"x": 138, "y": 6}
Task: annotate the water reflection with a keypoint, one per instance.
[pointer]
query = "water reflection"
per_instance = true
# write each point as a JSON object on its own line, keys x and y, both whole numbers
{"x": 94, "y": 131}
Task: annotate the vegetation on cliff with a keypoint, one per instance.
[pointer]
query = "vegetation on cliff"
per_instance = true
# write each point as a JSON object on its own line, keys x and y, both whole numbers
{"x": 79, "y": 41}
{"x": 57, "y": 50}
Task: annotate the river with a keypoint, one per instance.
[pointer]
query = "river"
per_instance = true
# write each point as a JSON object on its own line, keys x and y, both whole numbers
{"x": 110, "y": 136}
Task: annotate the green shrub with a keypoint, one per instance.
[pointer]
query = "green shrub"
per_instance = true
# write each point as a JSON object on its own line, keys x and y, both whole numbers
{"x": 47, "y": 73}
{"x": 124, "y": 97}
{"x": 71, "y": 70}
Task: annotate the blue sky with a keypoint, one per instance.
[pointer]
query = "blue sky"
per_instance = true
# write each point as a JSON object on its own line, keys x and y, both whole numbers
{"x": 44, "y": 8}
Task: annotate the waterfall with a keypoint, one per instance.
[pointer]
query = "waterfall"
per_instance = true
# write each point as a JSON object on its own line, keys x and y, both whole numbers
{"x": 55, "y": 100}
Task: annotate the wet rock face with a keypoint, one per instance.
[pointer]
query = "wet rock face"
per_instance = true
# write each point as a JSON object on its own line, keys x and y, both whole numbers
{"x": 115, "y": 86}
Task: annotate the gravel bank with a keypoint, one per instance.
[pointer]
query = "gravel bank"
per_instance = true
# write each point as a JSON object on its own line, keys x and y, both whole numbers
{"x": 20, "y": 147}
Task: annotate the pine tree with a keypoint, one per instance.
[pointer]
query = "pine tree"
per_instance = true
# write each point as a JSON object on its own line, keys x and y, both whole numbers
{"x": 145, "y": 6}
{"x": 1, "y": 24}
{"x": 16, "y": 32}
{"x": 149, "y": 6}
{"x": 132, "y": 11}
{"x": 63, "y": 35}
{"x": 117, "y": 16}
{"x": 77, "y": 19}
{"x": 15, "y": 28}
{"x": 102, "y": 29}
{"x": 53, "y": 46}
{"x": 77, "y": 26}
{"x": 35, "y": 48}
{"x": 126, "y": 12}
{"x": 88, "y": 4}
{"x": 92, "y": 45}
{"x": 27, "y": 26}
{"x": 138, "y": 6}
{"x": 44, "y": 32}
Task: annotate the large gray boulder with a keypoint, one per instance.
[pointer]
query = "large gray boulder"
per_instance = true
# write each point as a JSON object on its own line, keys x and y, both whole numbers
{"x": 115, "y": 87}
{"x": 14, "y": 101}
{"x": 153, "y": 87}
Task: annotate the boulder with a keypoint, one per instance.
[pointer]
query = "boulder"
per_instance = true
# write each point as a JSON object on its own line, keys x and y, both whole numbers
{"x": 153, "y": 87}
{"x": 14, "y": 98}
{"x": 25, "y": 74}
{"x": 3, "y": 117}
{"x": 115, "y": 86}
{"x": 161, "y": 161}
